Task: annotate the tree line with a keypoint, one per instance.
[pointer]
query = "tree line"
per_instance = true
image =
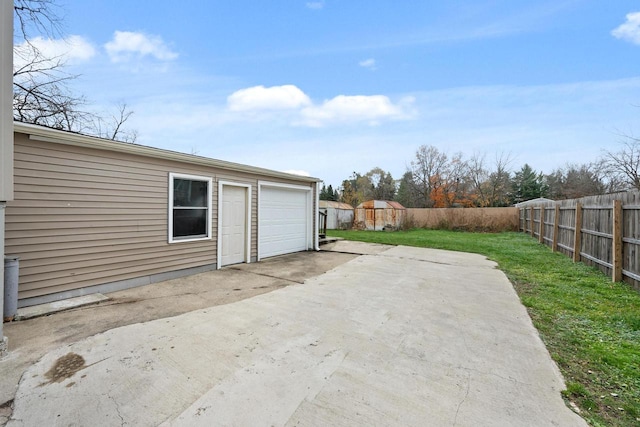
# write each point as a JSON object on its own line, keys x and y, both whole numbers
{"x": 435, "y": 179}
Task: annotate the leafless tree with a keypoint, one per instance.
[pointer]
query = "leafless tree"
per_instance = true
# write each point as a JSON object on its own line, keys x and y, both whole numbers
{"x": 622, "y": 167}
{"x": 478, "y": 175}
{"x": 455, "y": 183}
{"x": 113, "y": 126}
{"x": 490, "y": 184}
{"x": 41, "y": 85}
{"x": 428, "y": 170}
{"x": 574, "y": 181}
{"x": 40, "y": 16}
{"x": 498, "y": 185}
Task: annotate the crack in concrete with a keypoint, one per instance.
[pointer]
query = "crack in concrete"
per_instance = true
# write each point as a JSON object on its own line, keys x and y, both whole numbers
{"x": 115, "y": 403}
{"x": 493, "y": 374}
{"x": 466, "y": 395}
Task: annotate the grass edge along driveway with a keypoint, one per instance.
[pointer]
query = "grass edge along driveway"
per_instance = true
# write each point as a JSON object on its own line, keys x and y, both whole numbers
{"x": 590, "y": 325}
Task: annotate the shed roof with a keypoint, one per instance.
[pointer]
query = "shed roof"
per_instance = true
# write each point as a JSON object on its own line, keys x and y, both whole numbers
{"x": 537, "y": 201}
{"x": 41, "y": 133}
{"x": 334, "y": 205}
{"x": 380, "y": 204}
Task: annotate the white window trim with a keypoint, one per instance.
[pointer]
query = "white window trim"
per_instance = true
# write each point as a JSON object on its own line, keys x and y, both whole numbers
{"x": 247, "y": 248}
{"x": 309, "y": 233}
{"x": 209, "y": 182}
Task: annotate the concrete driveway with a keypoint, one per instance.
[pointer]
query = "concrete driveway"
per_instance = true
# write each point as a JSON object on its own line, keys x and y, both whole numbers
{"x": 402, "y": 336}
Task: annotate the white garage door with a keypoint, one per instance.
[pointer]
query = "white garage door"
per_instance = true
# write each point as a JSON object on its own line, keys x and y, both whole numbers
{"x": 283, "y": 221}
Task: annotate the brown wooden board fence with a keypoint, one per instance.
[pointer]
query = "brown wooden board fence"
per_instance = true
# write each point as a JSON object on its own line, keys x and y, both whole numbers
{"x": 607, "y": 234}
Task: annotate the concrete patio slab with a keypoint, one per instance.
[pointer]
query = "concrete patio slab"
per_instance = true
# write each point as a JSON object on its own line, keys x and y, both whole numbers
{"x": 404, "y": 337}
{"x": 33, "y": 338}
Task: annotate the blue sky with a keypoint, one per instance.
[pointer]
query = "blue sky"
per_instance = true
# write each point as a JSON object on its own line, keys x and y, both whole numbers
{"x": 336, "y": 86}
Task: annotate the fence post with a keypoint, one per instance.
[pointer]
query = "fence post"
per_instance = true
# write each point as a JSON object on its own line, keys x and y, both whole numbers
{"x": 531, "y": 220}
{"x": 522, "y": 220}
{"x": 541, "y": 234}
{"x": 556, "y": 228}
{"x": 577, "y": 239}
{"x": 616, "y": 274}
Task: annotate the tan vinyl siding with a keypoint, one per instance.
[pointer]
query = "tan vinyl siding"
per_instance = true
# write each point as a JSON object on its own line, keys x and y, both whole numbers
{"x": 84, "y": 216}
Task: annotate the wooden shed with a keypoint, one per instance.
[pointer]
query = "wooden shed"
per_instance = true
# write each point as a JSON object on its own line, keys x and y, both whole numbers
{"x": 339, "y": 214}
{"x": 94, "y": 215}
{"x": 379, "y": 215}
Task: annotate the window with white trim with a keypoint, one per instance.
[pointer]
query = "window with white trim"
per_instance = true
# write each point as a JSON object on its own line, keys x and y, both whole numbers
{"x": 189, "y": 207}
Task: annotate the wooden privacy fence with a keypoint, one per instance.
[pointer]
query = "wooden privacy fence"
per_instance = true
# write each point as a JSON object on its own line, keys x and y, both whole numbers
{"x": 602, "y": 231}
{"x": 468, "y": 219}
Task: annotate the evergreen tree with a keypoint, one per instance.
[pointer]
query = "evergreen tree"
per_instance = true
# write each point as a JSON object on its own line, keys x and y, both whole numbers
{"x": 528, "y": 184}
{"x": 323, "y": 193}
{"x": 331, "y": 194}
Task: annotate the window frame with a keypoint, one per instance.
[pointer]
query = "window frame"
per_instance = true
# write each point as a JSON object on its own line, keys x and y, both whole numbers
{"x": 172, "y": 177}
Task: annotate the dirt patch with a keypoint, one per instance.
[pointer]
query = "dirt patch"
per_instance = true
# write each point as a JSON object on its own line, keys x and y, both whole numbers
{"x": 65, "y": 367}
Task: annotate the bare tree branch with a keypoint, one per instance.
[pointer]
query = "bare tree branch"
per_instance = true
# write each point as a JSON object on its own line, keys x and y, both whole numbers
{"x": 41, "y": 86}
{"x": 37, "y": 16}
{"x": 622, "y": 167}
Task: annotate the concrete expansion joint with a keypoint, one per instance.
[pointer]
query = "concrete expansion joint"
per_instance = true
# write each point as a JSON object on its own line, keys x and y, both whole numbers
{"x": 428, "y": 261}
{"x": 350, "y": 253}
{"x": 267, "y": 275}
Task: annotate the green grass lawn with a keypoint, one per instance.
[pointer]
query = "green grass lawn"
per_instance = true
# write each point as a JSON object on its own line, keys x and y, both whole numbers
{"x": 590, "y": 325}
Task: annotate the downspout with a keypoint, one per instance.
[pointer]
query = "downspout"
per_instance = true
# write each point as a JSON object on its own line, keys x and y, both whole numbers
{"x": 6, "y": 138}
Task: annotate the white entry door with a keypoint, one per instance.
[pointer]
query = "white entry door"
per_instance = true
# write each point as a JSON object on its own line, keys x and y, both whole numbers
{"x": 234, "y": 224}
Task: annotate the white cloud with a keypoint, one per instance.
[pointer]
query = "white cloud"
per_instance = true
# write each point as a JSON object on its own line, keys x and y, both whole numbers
{"x": 356, "y": 108}
{"x": 315, "y": 4}
{"x": 368, "y": 63}
{"x": 296, "y": 107}
{"x": 630, "y": 30}
{"x": 259, "y": 98}
{"x": 71, "y": 49}
{"x": 127, "y": 45}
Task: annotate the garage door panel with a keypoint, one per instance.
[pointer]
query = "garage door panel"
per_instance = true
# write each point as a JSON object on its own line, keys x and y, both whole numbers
{"x": 283, "y": 221}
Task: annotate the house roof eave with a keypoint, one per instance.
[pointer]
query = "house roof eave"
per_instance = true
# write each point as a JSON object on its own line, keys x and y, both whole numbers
{"x": 41, "y": 133}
